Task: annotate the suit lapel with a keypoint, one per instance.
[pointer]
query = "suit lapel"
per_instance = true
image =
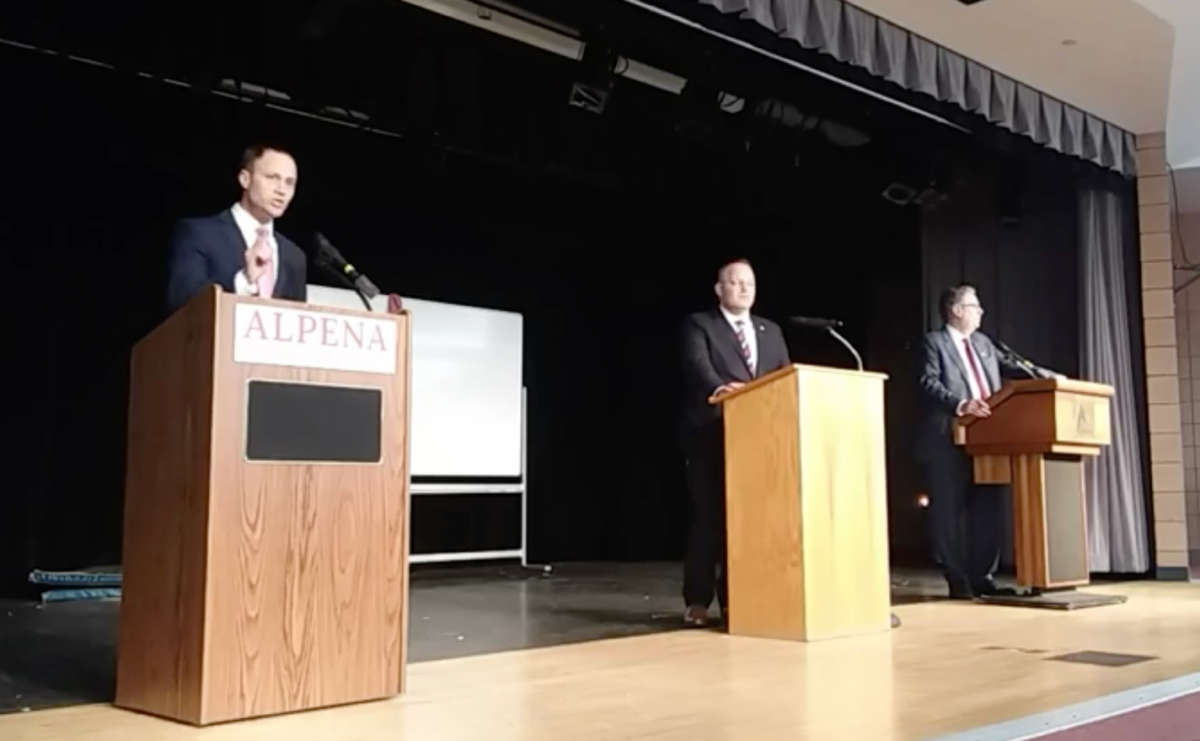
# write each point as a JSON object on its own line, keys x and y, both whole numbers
{"x": 282, "y": 278}
{"x": 988, "y": 363}
{"x": 759, "y": 330}
{"x": 730, "y": 345}
{"x": 948, "y": 340}
{"x": 234, "y": 242}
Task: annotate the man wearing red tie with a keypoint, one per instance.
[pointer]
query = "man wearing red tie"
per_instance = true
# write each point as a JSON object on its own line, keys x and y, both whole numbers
{"x": 723, "y": 349}
{"x": 959, "y": 368}
{"x": 239, "y": 249}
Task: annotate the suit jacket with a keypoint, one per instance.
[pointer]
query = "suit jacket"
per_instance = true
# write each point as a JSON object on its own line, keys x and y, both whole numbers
{"x": 943, "y": 383}
{"x": 210, "y": 249}
{"x": 712, "y": 357}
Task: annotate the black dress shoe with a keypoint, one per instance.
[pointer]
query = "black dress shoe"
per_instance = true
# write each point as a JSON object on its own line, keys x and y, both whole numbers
{"x": 959, "y": 588}
{"x": 991, "y": 589}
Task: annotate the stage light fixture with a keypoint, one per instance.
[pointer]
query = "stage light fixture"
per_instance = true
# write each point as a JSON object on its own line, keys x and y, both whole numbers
{"x": 565, "y": 42}
{"x": 595, "y": 83}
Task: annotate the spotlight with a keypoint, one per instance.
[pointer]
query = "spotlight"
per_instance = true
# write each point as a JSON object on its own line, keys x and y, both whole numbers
{"x": 591, "y": 91}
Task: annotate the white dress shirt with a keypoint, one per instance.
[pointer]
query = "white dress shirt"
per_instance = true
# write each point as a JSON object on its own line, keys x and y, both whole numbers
{"x": 976, "y": 393}
{"x": 747, "y": 330}
{"x": 249, "y": 226}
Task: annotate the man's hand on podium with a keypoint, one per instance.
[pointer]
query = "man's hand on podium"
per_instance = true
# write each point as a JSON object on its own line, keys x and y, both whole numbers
{"x": 726, "y": 388}
{"x": 977, "y": 408}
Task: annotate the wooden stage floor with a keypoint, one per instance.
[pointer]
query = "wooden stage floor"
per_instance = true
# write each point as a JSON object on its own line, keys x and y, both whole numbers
{"x": 952, "y": 667}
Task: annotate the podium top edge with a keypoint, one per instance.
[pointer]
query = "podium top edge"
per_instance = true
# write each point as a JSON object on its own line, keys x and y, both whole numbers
{"x": 795, "y": 369}
{"x": 234, "y": 298}
{"x": 804, "y": 368}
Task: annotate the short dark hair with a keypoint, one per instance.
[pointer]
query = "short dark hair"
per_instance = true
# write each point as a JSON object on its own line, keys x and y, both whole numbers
{"x": 952, "y": 296}
{"x": 252, "y": 153}
{"x": 734, "y": 261}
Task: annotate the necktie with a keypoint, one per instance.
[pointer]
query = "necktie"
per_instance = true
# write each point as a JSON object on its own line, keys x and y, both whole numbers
{"x": 983, "y": 388}
{"x": 262, "y": 252}
{"x": 743, "y": 344}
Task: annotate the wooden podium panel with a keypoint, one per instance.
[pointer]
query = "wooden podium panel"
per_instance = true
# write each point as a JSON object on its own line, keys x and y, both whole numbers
{"x": 806, "y": 505}
{"x": 255, "y": 587}
{"x": 1035, "y": 439}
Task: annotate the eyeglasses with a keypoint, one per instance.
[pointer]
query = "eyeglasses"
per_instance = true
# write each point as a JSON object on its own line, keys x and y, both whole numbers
{"x": 972, "y": 306}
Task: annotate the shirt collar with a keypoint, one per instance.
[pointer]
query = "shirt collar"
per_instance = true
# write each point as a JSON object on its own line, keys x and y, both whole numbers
{"x": 734, "y": 318}
{"x": 955, "y": 335}
{"x": 249, "y": 225}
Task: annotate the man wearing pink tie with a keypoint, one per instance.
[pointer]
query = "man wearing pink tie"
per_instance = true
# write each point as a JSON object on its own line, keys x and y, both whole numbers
{"x": 959, "y": 368}
{"x": 239, "y": 249}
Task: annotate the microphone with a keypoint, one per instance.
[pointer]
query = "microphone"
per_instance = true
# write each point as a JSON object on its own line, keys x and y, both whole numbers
{"x": 1013, "y": 355}
{"x": 830, "y": 326}
{"x": 815, "y": 322}
{"x": 330, "y": 258}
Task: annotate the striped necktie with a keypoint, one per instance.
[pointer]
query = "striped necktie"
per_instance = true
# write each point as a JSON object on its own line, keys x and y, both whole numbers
{"x": 743, "y": 344}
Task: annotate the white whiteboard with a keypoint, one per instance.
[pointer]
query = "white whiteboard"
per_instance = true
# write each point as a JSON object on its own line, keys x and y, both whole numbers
{"x": 466, "y": 384}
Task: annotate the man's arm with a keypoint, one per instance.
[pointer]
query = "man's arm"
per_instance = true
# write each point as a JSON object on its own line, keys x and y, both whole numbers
{"x": 699, "y": 376}
{"x": 930, "y": 378}
{"x": 187, "y": 266}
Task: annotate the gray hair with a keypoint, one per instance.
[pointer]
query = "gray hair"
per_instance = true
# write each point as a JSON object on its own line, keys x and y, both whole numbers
{"x": 952, "y": 296}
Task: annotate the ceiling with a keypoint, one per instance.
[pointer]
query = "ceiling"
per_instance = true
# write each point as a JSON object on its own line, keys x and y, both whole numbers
{"x": 1183, "y": 110}
{"x": 1118, "y": 67}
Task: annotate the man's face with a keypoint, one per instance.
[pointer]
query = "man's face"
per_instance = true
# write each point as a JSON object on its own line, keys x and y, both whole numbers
{"x": 269, "y": 184}
{"x": 968, "y": 313}
{"x": 735, "y": 287}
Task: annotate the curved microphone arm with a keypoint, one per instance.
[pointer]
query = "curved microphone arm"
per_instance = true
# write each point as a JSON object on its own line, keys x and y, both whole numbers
{"x": 844, "y": 341}
{"x": 345, "y": 280}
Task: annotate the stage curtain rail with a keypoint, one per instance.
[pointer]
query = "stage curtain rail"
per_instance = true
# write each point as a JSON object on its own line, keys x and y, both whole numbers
{"x": 852, "y": 35}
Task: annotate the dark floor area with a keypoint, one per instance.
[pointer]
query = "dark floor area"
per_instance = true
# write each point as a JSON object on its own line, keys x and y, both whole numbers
{"x": 64, "y": 653}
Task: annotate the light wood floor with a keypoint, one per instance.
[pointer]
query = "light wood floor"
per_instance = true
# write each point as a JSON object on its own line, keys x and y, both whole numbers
{"x": 952, "y": 667}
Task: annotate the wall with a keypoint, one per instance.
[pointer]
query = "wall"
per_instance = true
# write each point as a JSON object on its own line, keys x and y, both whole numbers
{"x": 1169, "y": 365}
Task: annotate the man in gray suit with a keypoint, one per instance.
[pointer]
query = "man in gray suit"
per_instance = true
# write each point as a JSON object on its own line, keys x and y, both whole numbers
{"x": 959, "y": 369}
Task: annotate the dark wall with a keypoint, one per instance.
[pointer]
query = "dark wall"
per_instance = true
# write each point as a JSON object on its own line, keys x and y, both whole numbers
{"x": 603, "y": 231}
{"x": 1011, "y": 231}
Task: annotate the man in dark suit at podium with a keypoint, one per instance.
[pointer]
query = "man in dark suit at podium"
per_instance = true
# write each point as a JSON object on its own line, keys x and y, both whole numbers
{"x": 959, "y": 368}
{"x": 238, "y": 248}
{"x": 723, "y": 349}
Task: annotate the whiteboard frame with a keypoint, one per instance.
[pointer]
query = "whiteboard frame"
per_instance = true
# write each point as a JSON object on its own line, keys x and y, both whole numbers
{"x": 520, "y": 488}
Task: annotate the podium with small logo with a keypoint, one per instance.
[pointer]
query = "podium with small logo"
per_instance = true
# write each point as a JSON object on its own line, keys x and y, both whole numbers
{"x": 1036, "y": 438}
{"x": 266, "y": 511}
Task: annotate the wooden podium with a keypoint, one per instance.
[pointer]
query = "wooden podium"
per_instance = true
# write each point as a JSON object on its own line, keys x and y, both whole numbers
{"x": 1035, "y": 439}
{"x": 806, "y": 505}
{"x": 266, "y": 511}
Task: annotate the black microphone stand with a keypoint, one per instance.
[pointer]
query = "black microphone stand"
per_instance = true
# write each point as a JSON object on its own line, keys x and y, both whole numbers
{"x": 844, "y": 341}
{"x": 327, "y": 267}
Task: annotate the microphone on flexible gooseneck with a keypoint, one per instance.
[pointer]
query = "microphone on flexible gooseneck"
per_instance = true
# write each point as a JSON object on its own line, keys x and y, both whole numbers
{"x": 1016, "y": 357}
{"x": 830, "y": 326}
{"x": 815, "y": 322}
{"x": 331, "y": 259}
